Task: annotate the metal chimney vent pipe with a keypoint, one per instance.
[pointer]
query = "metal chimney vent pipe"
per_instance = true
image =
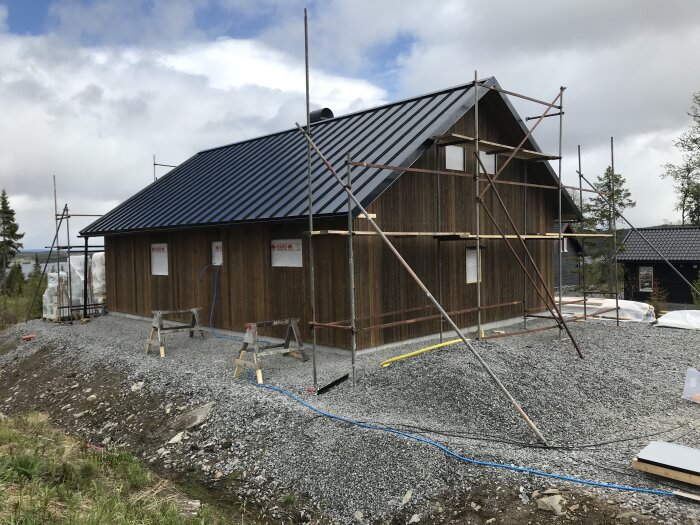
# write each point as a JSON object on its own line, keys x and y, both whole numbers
{"x": 320, "y": 114}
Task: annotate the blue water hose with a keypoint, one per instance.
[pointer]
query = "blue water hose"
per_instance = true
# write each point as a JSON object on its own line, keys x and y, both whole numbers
{"x": 454, "y": 454}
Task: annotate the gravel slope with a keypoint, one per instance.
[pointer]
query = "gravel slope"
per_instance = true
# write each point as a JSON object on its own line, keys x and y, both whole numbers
{"x": 628, "y": 385}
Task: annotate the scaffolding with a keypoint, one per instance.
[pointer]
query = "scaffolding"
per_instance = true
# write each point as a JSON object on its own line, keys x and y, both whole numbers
{"x": 484, "y": 183}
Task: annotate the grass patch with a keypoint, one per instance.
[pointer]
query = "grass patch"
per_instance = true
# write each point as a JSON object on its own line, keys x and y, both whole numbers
{"x": 8, "y": 347}
{"x": 47, "y": 477}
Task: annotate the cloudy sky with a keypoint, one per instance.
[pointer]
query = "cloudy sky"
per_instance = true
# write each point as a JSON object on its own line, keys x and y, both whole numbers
{"x": 90, "y": 90}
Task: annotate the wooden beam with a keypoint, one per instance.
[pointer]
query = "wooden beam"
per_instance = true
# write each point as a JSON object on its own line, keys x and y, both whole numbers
{"x": 494, "y": 147}
{"x": 678, "y": 475}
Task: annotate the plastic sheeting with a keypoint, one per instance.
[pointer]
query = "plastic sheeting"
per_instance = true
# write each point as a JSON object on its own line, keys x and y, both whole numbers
{"x": 99, "y": 288}
{"x": 691, "y": 389}
{"x": 605, "y": 309}
{"x": 687, "y": 319}
{"x": 49, "y": 301}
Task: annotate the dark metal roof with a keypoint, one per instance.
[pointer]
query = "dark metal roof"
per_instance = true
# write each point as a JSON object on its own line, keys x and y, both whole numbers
{"x": 676, "y": 243}
{"x": 265, "y": 178}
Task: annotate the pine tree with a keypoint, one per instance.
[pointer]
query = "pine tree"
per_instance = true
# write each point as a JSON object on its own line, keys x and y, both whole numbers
{"x": 598, "y": 217}
{"x": 686, "y": 175}
{"x": 9, "y": 234}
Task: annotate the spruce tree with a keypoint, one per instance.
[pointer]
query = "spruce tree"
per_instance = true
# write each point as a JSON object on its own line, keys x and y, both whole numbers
{"x": 686, "y": 175}
{"x": 9, "y": 234}
{"x": 598, "y": 217}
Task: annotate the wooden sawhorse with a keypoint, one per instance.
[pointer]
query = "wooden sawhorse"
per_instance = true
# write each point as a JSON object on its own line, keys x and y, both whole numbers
{"x": 251, "y": 338}
{"x": 157, "y": 326}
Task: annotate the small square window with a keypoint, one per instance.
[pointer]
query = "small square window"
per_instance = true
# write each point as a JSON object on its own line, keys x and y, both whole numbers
{"x": 646, "y": 278}
{"x": 159, "y": 259}
{"x": 217, "y": 253}
{"x": 454, "y": 158}
{"x": 286, "y": 253}
{"x": 472, "y": 266}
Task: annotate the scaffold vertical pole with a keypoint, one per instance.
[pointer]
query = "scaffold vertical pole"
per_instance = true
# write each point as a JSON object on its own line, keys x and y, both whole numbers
{"x": 613, "y": 226}
{"x": 312, "y": 282}
{"x": 477, "y": 215}
{"x": 351, "y": 276}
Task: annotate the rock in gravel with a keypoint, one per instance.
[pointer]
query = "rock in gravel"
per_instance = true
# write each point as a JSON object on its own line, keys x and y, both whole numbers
{"x": 193, "y": 418}
{"x": 92, "y": 398}
{"x": 414, "y": 519}
{"x": 177, "y": 438}
{"x": 475, "y": 506}
{"x": 79, "y": 414}
{"x": 137, "y": 386}
{"x": 552, "y": 504}
{"x": 358, "y": 515}
{"x": 407, "y": 497}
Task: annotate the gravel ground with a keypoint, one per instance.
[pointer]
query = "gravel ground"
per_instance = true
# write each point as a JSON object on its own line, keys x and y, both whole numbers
{"x": 628, "y": 387}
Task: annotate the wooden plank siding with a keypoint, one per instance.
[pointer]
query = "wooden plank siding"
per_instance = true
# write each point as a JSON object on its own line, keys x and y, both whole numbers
{"x": 249, "y": 289}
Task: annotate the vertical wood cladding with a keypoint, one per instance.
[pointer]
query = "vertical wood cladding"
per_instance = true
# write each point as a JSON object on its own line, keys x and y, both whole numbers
{"x": 249, "y": 289}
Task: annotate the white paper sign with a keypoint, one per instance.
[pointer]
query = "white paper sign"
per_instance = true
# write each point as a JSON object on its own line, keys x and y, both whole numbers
{"x": 217, "y": 253}
{"x": 286, "y": 253}
{"x": 159, "y": 259}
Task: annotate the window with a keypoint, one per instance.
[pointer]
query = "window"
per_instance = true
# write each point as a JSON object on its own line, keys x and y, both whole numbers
{"x": 159, "y": 259}
{"x": 646, "y": 278}
{"x": 564, "y": 244}
{"x": 217, "y": 253}
{"x": 286, "y": 253}
{"x": 489, "y": 162}
{"x": 472, "y": 266}
{"x": 454, "y": 158}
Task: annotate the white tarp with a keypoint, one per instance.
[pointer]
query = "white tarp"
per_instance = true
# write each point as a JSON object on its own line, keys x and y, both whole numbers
{"x": 77, "y": 279}
{"x": 49, "y": 301}
{"x": 605, "y": 309}
{"x": 691, "y": 389}
{"x": 98, "y": 277}
{"x": 688, "y": 319}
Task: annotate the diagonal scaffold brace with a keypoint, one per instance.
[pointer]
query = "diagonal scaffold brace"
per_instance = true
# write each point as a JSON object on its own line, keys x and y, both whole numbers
{"x": 433, "y": 300}
{"x": 548, "y": 298}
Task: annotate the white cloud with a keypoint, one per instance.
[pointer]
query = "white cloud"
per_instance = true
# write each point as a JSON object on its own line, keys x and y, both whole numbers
{"x": 93, "y": 116}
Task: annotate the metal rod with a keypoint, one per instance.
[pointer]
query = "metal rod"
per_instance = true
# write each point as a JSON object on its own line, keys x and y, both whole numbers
{"x": 436, "y": 316}
{"x": 532, "y": 261}
{"x": 43, "y": 272}
{"x": 525, "y": 230}
{"x": 312, "y": 282}
{"x": 501, "y": 90}
{"x": 522, "y": 332}
{"x": 154, "y": 167}
{"x": 425, "y": 290}
{"x": 477, "y": 215}
{"x": 550, "y": 115}
{"x": 85, "y": 280}
{"x": 559, "y": 195}
{"x": 58, "y": 249}
{"x": 351, "y": 276}
{"x": 613, "y": 226}
{"x": 649, "y": 243}
{"x": 583, "y": 241}
{"x": 527, "y": 136}
{"x": 456, "y": 173}
{"x": 438, "y": 227}
{"x": 70, "y": 279}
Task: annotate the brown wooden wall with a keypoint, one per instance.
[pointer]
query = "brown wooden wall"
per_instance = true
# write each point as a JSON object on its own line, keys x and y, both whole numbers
{"x": 250, "y": 289}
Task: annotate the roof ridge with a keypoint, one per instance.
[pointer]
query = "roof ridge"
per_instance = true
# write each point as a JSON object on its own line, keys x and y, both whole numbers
{"x": 352, "y": 114}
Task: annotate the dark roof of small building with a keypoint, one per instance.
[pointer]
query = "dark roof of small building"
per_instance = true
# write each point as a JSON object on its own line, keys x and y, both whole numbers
{"x": 676, "y": 243}
{"x": 265, "y": 178}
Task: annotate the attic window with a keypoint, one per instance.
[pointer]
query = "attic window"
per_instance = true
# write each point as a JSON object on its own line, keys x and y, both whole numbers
{"x": 646, "y": 278}
{"x": 489, "y": 162}
{"x": 454, "y": 158}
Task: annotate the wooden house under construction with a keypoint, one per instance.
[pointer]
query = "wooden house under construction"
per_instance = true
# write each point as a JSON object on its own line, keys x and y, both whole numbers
{"x": 228, "y": 229}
